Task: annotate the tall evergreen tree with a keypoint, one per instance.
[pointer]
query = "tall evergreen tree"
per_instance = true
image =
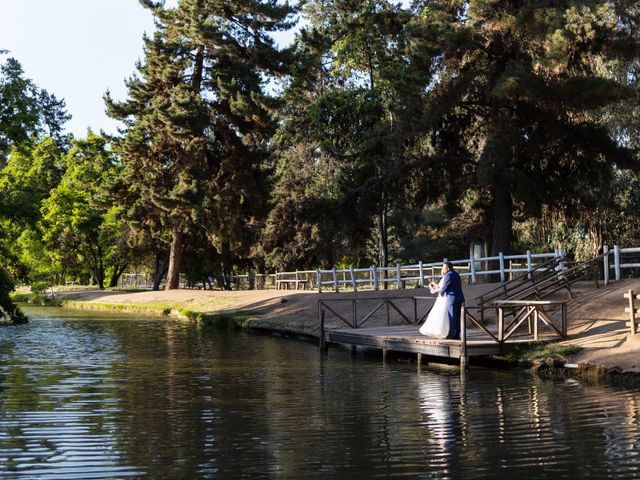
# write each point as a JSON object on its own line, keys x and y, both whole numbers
{"x": 27, "y": 111}
{"x": 197, "y": 118}
{"x": 519, "y": 86}
{"x": 349, "y": 102}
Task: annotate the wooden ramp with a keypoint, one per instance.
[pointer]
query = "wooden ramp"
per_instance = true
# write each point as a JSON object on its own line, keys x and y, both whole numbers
{"x": 407, "y": 339}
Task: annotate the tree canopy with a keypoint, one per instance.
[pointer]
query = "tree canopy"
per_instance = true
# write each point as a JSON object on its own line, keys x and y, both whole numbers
{"x": 384, "y": 133}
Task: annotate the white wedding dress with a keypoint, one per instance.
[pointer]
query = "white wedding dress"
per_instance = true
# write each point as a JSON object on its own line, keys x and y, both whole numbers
{"x": 437, "y": 323}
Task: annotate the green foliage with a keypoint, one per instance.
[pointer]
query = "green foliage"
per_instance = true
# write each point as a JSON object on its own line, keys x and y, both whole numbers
{"x": 539, "y": 350}
{"x": 26, "y": 111}
{"x": 78, "y": 217}
{"x": 198, "y": 119}
{"x": 385, "y": 133}
{"x": 8, "y": 309}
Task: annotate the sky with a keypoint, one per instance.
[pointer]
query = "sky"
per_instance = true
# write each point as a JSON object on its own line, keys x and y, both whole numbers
{"x": 79, "y": 49}
{"x": 76, "y": 50}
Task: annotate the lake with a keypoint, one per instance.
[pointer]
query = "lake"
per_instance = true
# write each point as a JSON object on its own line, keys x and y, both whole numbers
{"x": 95, "y": 395}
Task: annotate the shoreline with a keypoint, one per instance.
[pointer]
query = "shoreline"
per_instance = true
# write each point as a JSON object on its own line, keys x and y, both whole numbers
{"x": 597, "y": 319}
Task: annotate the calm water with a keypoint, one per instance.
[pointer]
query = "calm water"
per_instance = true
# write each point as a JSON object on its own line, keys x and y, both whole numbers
{"x": 97, "y": 396}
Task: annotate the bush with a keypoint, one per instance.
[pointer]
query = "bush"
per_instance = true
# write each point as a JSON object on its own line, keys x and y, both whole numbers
{"x": 7, "y": 307}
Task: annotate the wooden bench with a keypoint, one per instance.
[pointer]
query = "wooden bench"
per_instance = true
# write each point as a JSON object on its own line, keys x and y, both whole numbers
{"x": 284, "y": 284}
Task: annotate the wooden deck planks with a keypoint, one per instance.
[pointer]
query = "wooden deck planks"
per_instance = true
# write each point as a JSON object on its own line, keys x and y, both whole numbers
{"x": 406, "y": 338}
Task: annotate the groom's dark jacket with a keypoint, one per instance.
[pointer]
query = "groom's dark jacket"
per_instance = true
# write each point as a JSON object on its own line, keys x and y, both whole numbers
{"x": 452, "y": 287}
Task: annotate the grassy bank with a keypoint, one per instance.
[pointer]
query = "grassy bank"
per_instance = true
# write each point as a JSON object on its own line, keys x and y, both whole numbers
{"x": 241, "y": 319}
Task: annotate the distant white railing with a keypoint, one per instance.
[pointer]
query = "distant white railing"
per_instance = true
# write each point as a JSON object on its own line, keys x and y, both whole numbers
{"x": 420, "y": 274}
{"x": 615, "y": 262}
{"x": 622, "y": 260}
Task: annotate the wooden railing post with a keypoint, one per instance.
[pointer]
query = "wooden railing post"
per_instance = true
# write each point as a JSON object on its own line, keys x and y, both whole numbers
{"x": 472, "y": 269}
{"x": 605, "y": 259}
{"x": 616, "y": 259}
{"x": 355, "y": 314}
{"x": 632, "y": 311}
{"x": 319, "y": 280}
{"x": 502, "y": 273}
{"x": 421, "y": 274}
{"x": 353, "y": 279}
{"x": 374, "y": 273}
{"x": 398, "y": 277}
{"x": 529, "y": 263}
{"x": 335, "y": 280}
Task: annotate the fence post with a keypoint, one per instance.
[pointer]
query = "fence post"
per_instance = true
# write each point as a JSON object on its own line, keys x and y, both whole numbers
{"x": 318, "y": 280}
{"x": 529, "y": 263}
{"x": 632, "y": 312}
{"x": 421, "y": 274}
{"x": 605, "y": 250}
{"x": 398, "y": 282}
{"x": 353, "y": 279}
{"x": 561, "y": 256}
{"x": 472, "y": 269}
{"x": 616, "y": 259}
{"x": 335, "y": 280}
{"x": 376, "y": 283}
{"x": 502, "y": 276}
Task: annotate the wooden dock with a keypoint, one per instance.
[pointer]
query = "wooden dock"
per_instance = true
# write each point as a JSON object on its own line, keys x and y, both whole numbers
{"x": 407, "y": 339}
{"x": 478, "y": 339}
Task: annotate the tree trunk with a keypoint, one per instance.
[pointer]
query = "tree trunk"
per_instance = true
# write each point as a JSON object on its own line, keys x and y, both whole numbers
{"x": 502, "y": 218}
{"x": 118, "y": 270}
{"x": 226, "y": 265}
{"x": 175, "y": 260}
{"x": 100, "y": 270}
{"x": 383, "y": 238}
{"x": 159, "y": 271}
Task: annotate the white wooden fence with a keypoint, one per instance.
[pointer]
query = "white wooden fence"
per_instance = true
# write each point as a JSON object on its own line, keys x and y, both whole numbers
{"x": 617, "y": 262}
{"x": 623, "y": 259}
{"x": 400, "y": 276}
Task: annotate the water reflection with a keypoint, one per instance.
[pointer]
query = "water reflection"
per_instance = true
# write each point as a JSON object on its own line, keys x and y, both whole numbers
{"x": 112, "y": 397}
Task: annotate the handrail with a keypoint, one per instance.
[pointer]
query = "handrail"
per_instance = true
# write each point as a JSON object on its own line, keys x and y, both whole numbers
{"x": 356, "y": 322}
{"x": 548, "y": 266}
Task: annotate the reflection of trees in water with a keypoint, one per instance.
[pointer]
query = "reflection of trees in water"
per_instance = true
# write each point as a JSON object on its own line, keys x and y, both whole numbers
{"x": 175, "y": 400}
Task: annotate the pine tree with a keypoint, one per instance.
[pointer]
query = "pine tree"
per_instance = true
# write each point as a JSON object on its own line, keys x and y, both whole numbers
{"x": 519, "y": 88}
{"x": 197, "y": 119}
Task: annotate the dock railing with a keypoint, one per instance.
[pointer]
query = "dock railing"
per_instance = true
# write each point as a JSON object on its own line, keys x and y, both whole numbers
{"x": 357, "y": 314}
{"x": 633, "y": 311}
{"x": 536, "y": 313}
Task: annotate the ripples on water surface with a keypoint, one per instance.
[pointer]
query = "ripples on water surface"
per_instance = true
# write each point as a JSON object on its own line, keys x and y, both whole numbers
{"x": 86, "y": 395}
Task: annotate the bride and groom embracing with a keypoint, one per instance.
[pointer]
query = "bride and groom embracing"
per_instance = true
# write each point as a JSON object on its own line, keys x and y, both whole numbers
{"x": 443, "y": 320}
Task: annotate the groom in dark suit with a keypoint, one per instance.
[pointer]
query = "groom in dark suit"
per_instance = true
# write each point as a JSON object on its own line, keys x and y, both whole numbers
{"x": 452, "y": 289}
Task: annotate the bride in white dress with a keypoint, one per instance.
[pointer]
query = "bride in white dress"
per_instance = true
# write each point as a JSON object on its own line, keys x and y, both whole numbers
{"x": 437, "y": 322}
